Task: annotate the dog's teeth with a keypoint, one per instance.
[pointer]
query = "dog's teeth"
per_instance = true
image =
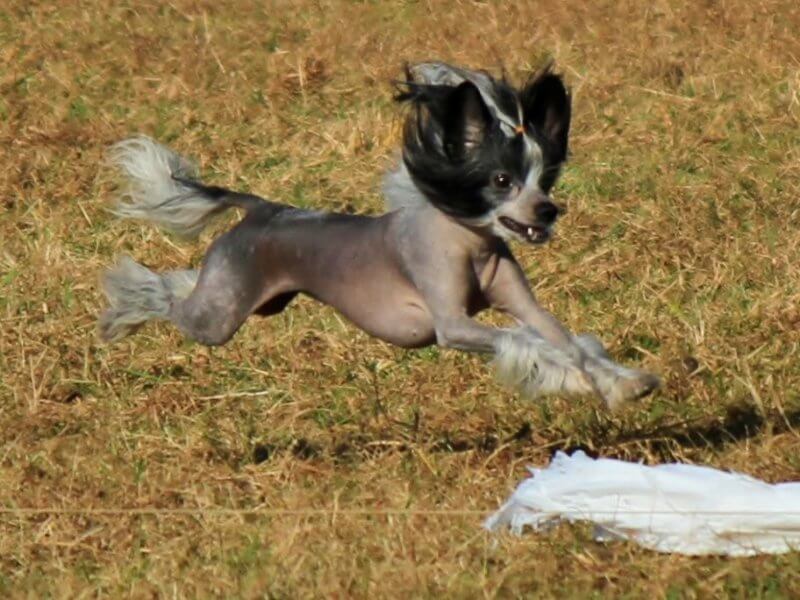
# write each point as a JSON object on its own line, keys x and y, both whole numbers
{"x": 530, "y": 231}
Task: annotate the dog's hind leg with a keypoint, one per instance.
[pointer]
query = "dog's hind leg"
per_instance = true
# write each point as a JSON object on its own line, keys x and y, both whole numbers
{"x": 207, "y": 305}
{"x": 137, "y": 295}
{"x": 216, "y": 308}
{"x": 235, "y": 281}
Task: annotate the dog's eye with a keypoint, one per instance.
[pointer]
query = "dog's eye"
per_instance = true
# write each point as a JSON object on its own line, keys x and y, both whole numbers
{"x": 502, "y": 181}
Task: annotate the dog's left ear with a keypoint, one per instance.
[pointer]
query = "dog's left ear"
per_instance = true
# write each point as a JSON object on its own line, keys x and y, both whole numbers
{"x": 465, "y": 122}
{"x": 546, "y": 107}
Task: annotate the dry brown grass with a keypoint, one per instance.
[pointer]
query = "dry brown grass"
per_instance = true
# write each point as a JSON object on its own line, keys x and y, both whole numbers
{"x": 681, "y": 248}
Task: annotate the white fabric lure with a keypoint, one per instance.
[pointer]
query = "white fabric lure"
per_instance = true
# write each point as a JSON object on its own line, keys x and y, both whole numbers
{"x": 669, "y": 508}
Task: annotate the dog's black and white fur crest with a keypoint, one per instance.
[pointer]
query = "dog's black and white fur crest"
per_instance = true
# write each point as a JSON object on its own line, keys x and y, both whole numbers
{"x": 465, "y": 124}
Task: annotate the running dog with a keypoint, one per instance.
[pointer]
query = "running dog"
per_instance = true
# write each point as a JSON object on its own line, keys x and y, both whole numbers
{"x": 479, "y": 158}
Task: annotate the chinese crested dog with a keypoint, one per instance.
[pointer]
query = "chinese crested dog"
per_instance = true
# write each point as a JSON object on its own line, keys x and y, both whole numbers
{"x": 479, "y": 158}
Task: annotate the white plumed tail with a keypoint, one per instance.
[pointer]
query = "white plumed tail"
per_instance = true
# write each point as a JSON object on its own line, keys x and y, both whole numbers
{"x": 154, "y": 194}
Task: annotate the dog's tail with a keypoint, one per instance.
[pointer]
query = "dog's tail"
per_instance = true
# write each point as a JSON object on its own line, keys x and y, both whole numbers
{"x": 163, "y": 188}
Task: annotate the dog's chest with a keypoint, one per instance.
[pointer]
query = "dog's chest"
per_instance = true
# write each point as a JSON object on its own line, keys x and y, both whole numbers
{"x": 485, "y": 270}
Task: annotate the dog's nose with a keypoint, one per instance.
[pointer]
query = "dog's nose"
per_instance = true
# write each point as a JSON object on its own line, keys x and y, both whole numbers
{"x": 546, "y": 212}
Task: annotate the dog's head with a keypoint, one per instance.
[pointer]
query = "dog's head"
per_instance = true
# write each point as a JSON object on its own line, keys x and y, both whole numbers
{"x": 484, "y": 152}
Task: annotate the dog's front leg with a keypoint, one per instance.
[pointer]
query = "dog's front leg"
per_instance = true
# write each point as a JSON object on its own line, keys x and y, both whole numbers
{"x": 523, "y": 357}
{"x": 509, "y": 291}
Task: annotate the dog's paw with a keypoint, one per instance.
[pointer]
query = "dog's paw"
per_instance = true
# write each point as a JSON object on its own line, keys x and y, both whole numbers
{"x": 629, "y": 389}
{"x": 617, "y": 385}
{"x": 620, "y": 385}
{"x": 525, "y": 360}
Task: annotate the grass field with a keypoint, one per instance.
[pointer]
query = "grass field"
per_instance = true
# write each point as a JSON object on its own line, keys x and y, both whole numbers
{"x": 367, "y": 470}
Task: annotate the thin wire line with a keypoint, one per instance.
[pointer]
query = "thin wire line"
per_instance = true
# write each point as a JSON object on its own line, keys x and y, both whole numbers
{"x": 234, "y": 511}
{"x": 364, "y": 512}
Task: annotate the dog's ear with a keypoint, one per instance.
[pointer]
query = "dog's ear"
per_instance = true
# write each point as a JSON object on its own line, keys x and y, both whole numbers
{"x": 465, "y": 122}
{"x": 546, "y": 107}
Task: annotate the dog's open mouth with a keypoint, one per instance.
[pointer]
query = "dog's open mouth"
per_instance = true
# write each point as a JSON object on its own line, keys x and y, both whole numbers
{"x": 535, "y": 234}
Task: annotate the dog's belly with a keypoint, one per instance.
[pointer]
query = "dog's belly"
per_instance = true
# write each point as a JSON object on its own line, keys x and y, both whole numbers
{"x": 344, "y": 261}
{"x": 389, "y": 310}
{"x": 403, "y": 322}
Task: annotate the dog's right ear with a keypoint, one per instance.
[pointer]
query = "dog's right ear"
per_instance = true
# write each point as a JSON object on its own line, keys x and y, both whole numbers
{"x": 465, "y": 121}
{"x": 546, "y": 105}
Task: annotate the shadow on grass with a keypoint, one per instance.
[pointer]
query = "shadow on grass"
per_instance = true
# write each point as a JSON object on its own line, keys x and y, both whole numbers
{"x": 739, "y": 423}
{"x": 664, "y": 443}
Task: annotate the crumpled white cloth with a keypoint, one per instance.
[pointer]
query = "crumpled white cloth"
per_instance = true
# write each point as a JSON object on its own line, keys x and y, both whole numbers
{"x": 678, "y": 508}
